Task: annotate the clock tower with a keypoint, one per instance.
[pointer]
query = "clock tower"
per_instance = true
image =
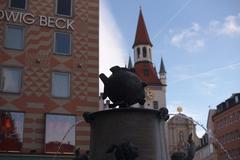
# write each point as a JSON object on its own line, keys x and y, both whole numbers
{"x": 142, "y": 48}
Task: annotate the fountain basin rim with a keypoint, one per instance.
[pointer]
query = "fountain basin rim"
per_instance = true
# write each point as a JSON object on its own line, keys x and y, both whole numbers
{"x": 117, "y": 110}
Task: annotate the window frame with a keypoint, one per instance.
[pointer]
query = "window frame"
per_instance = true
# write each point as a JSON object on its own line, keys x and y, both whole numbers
{"x": 70, "y": 44}
{"x": 155, "y": 105}
{"x": 19, "y": 82}
{"x": 45, "y": 130}
{"x": 69, "y": 85}
{"x": 25, "y": 7}
{"x": 23, "y": 37}
{"x": 63, "y": 15}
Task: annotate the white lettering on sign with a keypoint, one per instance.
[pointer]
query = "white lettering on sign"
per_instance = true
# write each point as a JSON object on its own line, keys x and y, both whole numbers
{"x": 43, "y": 21}
{"x": 51, "y": 22}
{"x": 1, "y": 14}
{"x": 69, "y": 24}
{"x": 60, "y": 21}
{"x": 12, "y": 16}
{"x": 29, "y": 18}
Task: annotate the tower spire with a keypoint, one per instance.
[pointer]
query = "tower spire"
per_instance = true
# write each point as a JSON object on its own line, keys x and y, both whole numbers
{"x": 130, "y": 65}
{"x": 141, "y": 36}
{"x": 163, "y": 73}
{"x": 162, "y": 67}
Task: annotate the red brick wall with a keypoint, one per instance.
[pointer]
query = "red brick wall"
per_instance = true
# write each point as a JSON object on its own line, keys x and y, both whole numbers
{"x": 226, "y": 124}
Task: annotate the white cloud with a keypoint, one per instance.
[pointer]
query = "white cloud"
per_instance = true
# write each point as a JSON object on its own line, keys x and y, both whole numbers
{"x": 229, "y": 27}
{"x": 195, "y": 26}
{"x": 111, "y": 46}
{"x": 189, "y": 39}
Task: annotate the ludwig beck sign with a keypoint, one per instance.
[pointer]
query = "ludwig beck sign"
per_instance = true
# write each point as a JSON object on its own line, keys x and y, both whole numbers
{"x": 43, "y": 21}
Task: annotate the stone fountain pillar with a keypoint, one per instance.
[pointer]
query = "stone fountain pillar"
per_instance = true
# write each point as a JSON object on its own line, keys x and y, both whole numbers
{"x": 127, "y": 133}
{"x": 144, "y": 128}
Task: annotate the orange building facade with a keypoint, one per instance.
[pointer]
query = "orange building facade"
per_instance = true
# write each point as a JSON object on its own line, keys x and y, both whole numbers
{"x": 227, "y": 128}
{"x": 48, "y": 74}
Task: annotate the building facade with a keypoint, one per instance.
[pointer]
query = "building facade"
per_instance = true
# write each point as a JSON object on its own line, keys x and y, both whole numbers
{"x": 207, "y": 148}
{"x": 226, "y": 122}
{"x": 179, "y": 127}
{"x": 48, "y": 74}
{"x": 156, "y": 84}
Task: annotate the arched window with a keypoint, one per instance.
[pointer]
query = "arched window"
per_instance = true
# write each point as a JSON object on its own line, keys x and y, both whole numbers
{"x": 138, "y": 52}
{"x": 144, "y": 52}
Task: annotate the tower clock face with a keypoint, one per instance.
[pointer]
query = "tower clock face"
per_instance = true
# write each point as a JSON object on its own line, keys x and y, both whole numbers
{"x": 149, "y": 95}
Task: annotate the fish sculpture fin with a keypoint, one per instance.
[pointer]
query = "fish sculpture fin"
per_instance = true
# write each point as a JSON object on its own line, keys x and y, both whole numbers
{"x": 104, "y": 78}
{"x": 115, "y": 68}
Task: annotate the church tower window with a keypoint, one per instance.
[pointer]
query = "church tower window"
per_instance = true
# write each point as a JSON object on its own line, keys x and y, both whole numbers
{"x": 144, "y": 52}
{"x": 138, "y": 52}
{"x": 150, "y": 55}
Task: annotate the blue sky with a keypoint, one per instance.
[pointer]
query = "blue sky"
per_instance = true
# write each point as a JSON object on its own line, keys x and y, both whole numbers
{"x": 198, "y": 39}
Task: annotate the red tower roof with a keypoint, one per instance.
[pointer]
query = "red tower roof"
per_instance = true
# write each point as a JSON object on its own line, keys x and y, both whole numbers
{"x": 147, "y": 73}
{"x": 141, "y": 36}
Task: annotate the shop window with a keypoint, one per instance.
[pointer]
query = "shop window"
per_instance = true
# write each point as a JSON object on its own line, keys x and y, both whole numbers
{"x": 11, "y": 131}
{"x": 10, "y": 79}
{"x": 20, "y": 4}
{"x": 62, "y": 44}
{"x": 56, "y": 128}
{"x": 14, "y": 37}
{"x": 64, "y": 7}
{"x": 61, "y": 84}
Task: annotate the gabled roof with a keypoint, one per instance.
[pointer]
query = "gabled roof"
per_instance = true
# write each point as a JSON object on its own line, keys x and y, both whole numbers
{"x": 141, "y": 36}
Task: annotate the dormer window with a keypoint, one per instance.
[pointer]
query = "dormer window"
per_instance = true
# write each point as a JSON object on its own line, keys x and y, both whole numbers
{"x": 236, "y": 99}
{"x": 144, "y": 52}
{"x": 145, "y": 72}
